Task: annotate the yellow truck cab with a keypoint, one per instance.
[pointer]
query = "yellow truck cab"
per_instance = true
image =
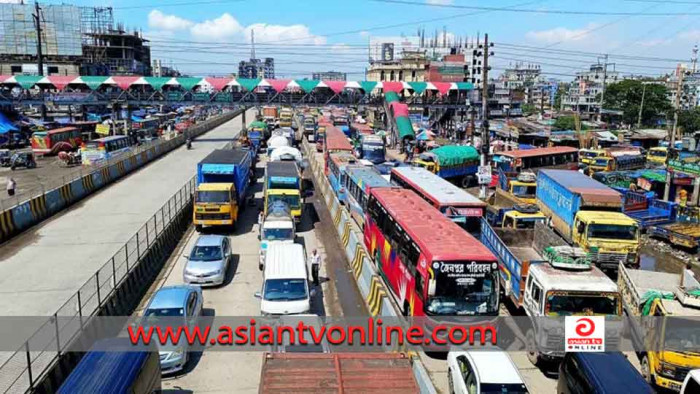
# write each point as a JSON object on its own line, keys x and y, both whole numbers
{"x": 523, "y": 192}
{"x": 522, "y": 220}
{"x": 663, "y": 310}
{"x": 588, "y": 156}
{"x": 610, "y": 235}
{"x": 283, "y": 183}
{"x": 286, "y": 117}
{"x": 215, "y": 205}
{"x": 657, "y": 155}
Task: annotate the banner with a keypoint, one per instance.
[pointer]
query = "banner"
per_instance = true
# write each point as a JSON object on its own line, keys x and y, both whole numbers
{"x": 102, "y": 129}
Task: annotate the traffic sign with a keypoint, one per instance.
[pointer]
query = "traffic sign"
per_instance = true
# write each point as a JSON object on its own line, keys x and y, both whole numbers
{"x": 484, "y": 175}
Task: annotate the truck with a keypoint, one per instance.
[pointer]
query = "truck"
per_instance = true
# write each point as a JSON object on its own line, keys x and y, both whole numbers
{"x": 588, "y": 214}
{"x": 549, "y": 281}
{"x": 618, "y": 161}
{"x": 667, "y": 346}
{"x": 521, "y": 187}
{"x": 286, "y": 116}
{"x": 505, "y": 210}
{"x": 682, "y": 234}
{"x": 256, "y": 133}
{"x": 647, "y": 210}
{"x": 270, "y": 115}
{"x": 222, "y": 181}
{"x": 457, "y": 163}
{"x": 372, "y": 148}
{"x": 337, "y": 373}
{"x": 278, "y": 226}
{"x": 309, "y": 125}
{"x": 283, "y": 183}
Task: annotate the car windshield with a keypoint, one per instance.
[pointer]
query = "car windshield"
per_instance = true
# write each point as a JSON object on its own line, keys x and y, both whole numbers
{"x": 658, "y": 153}
{"x": 590, "y": 154}
{"x": 579, "y": 304}
{"x": 285, "y": 290}
{"x": 524, "y": 191}
{"x": 273, "y": 234}
{"x": 682, "y": 335}
{"x": 496, "y": 388}
{"x": 206, "y": 253}
{"x": 527, "y": 223}
{"x": 460, "y": 293}
{"x": 213, "y": 196}
{"x": 601, "y": 162}
{"x": 164, "y": 312}
{"x": 290, "y": 200}
{"x": 612, "y": 231}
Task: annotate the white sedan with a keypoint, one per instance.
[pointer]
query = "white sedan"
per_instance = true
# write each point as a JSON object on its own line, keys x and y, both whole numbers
{"x": 486, "y": 371}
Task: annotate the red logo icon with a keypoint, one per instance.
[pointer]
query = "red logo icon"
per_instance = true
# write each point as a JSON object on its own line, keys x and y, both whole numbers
{"x": 585, "y": 327}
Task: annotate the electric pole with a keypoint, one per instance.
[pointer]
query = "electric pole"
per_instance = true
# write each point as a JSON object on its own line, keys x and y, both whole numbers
{"x": 672, "y": 144}
{"x": 605, "y": 80}
{"x": 39, "y": 50}
{"x": 641, "y": 106}
{"x": 485, "y": 143}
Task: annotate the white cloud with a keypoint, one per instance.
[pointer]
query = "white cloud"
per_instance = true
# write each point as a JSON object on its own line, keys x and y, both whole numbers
{"x": 364, "y": 33}
{"x": 560, "y": 34}
{"x": 653, "y": 43}
{"x": 161, "y": 21}
{"x": 690, "y": 35}
{"x": 341, "y": 48}
{"x": 222, "y": 27}
{"x": 279, "y": 34}
{"x": 439, "y": 2}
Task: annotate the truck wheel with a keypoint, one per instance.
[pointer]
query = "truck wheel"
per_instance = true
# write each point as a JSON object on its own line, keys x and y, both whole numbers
{"x": 450, "y": 382}
{"x": 646, "y": 370}
{"x": 467, "y": 181}
{"x": 532, "y": 353}
{"x": 198, "y": 227}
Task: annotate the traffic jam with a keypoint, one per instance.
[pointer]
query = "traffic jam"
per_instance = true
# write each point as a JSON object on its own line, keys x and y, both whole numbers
{"x": 543, "y": 246}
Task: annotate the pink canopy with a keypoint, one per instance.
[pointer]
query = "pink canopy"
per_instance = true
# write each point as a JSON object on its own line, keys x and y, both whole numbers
{"x": 3, "y": 78}
{"x": 442, "y": 87}
{"x": 125, "y": 82}
{"x": 335, "y": 86}
{"x": 61, "y": 81}
{"x": 400, "y": 109}
{"x": 396, "y": 87}
{"x": 218, "y": 83}
{"x": 278, "y": 84}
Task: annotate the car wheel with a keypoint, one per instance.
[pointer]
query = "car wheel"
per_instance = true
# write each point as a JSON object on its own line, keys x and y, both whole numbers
{"x": 532, "y": 353}
{"x": 646, "y": 370}
{"x": 450, "y": 382}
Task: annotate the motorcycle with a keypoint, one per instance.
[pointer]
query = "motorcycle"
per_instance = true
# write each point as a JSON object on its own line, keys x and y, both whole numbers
{"x": 70, "y": 158}
{"x": 189, "y": 144}
{"x": 22, "y": 159}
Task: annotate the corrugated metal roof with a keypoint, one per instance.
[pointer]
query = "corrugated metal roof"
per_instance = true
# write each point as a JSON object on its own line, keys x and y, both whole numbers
{"x": 441, "y": 190}
{"x": 336, "y": 140}
{"x": 337, "y": 373}
{"x": 431, "y": 230}
{"x": 517, "y": 154}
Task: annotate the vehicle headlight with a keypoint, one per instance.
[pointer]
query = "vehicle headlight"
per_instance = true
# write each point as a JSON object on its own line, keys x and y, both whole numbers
{"x": 217, "y": 272}
{"x": 188, "y": 272}
{"x": 177, "y": 354}
{"x": 667, "y": 370}
{"x": 631, "y": 257}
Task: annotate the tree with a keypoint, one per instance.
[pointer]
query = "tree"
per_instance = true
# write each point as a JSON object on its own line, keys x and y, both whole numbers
{"x": 689, "y": 120}
{"x": 565, "y": 123}
{"x": 626, "y": 96}
{"x": 529, "y": 109}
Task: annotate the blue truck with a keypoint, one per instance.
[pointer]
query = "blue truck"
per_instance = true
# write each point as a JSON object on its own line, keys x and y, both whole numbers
{"x": 457, "y": 163}
{"x": 222, "y": 183}
{"x": 107, "y": 369}
{"x": 647, "y": 210}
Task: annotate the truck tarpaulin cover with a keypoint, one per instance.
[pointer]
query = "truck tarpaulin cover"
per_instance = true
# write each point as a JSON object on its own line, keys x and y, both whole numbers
{"x": 452, "y": 155}
{"x": 591, "y": 191}
{"x": 405, "y": 128}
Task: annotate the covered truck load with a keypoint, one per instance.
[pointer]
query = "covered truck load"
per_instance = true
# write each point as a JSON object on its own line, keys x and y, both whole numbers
{"x": 452, "y": 161}
{"x": 282, "y": 175}
{"x": 226, "y": 166}
{"x": 337, "y": 373}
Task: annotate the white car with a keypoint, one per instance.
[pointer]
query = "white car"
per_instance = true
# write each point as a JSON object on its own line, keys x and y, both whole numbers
{"x": 486, "y": 371}
{"x": 692, "y": 382}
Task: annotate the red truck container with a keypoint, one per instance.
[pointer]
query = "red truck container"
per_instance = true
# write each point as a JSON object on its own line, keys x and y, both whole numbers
{"x": 337, "y": 372}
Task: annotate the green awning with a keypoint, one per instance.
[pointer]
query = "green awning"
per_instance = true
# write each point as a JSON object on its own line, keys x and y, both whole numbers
{"x": 465, "y": 86}
{"x": 418, "y": 87}
{"x": 188, "y": 83}
{"x": 93, "y": 82}
{"x": 257, "y": 125}
{"x": 248, "y": 84}
{"x": 390, "y": 97}
{"x": 27, "y": 81}
{"x": 405, "y": 128}
{"x": 157, "y": 82}
{"x": 367, "y": 86}
{"x": 307, "y": 85}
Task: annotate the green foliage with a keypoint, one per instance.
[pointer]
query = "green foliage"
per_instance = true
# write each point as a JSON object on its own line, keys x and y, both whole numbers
{"x": 689, "y": 120}
{"x": 529, "y": 109}
{"x": 566, "y": 123}
{"x": 626, "y": 96}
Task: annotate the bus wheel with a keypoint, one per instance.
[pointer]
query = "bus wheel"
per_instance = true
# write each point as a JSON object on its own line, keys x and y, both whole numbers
{"x": 646, "y": 370}
{"x": 198, "y": 227}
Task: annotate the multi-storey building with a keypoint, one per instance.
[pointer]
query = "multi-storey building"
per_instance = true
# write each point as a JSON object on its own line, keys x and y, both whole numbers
{"x": 257, "y": 68}
{"x": 583, "y": 94}
{"x": 329, "y": 76}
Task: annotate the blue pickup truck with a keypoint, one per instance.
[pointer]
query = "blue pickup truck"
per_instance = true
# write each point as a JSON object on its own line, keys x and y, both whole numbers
{"x": 647, "y": 210}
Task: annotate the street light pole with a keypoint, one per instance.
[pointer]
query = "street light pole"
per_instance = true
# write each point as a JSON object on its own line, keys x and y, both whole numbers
{"x": 639, "y": 118}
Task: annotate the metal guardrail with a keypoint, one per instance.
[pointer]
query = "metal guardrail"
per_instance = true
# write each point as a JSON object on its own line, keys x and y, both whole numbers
{"x": 20, "y": 198}
{"x": 136, "y": 261}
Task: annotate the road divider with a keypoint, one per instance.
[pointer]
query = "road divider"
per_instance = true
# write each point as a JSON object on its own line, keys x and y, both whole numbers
{"x": 25, "y": 214}
{"x": 369, "y": 281}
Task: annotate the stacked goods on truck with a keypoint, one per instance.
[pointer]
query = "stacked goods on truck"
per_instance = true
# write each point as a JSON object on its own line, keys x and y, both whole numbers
{"x": 455, "y": 162}
{"x": 287, "y": 153}
{"x": 545, "y": 281}
{"x": 222, "y": 182}
{"x": 270, "y": 115}
{"x": 664, "y": 309}
{"x": 337, "y": 373}
{"x": 286, "y": 116}
{"x": 256, "y": 133}
{"x": 277, "y": 140}
{"x": 309, "y": 125}
{"x": 588, "y": 214}
{"x": 283, "y": 183}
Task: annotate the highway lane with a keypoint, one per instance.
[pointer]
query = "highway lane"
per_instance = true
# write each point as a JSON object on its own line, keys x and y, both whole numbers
{"x": 41, "y": 268}
{"x": 239, "y": 372}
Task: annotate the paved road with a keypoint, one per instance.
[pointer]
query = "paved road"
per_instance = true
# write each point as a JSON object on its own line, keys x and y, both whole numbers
{"x": 239, "y": 372}
{"x": 41, "y": 268}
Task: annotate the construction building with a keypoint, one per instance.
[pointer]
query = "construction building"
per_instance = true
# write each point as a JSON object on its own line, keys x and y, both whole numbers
{"x": 329, "y": 76}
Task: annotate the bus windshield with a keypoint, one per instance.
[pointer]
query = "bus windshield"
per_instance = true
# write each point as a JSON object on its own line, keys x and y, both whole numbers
{"x": 213, "y": 196}
{"x": 373, "y": 152}
{"x": 612, "y": 231}
{"x": 581, "y": 304}
{"x": 464, "y": 288}
{"x": 602, "y": 161}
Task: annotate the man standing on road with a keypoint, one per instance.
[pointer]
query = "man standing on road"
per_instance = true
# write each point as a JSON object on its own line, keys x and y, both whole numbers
{"x": 315, "y": 260}
{"x": 11, "y": 185}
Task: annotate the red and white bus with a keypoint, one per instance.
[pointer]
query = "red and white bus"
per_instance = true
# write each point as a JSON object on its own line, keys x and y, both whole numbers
{"x": 53, "y": 141}
{"x": 432, "y": 266}
{"x": 453, "y": 202}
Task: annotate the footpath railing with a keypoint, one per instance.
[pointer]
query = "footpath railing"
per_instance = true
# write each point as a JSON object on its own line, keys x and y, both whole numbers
{"x": 29, "y": 210}
{"x": 368, "y": 281}
{"x": 114, "y": 290}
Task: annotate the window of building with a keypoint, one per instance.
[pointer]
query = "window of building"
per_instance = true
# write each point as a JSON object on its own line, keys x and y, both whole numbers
{"x": 381, "y": 76}
{"x": 52, "y": 70}
{"x": 15, "y": 69}
{"x": 391, "y": 78}
{"x": 413, "y": 75}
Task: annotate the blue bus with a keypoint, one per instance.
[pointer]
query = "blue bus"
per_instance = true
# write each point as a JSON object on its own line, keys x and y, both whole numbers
{"x": 359, "y": 181}
{"x": 337, "y": 166}
{"x": 341, "y": 120}
{"x": 372, "y": 148}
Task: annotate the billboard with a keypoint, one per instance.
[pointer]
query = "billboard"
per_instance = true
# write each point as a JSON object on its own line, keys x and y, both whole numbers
{"x": 61, "y": 28}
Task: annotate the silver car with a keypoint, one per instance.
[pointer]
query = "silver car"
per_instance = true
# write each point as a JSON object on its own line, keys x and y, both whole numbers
{"x": 208, "y": 262}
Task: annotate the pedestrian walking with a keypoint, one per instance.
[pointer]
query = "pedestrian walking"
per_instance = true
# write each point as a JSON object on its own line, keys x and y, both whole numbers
{"x": 11, "y": 185}
{"x": 261, "y": 218}
{"x": 315, "y": 260}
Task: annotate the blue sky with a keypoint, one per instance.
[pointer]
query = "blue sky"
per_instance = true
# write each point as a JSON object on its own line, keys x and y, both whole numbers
{"x": 321, "y": 35}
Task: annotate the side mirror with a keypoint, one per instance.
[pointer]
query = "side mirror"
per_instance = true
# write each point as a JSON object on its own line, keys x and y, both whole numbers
{"x": 186, "y": 257}
{"x": 257, "y": 294}
{"x": 313, "y": 293}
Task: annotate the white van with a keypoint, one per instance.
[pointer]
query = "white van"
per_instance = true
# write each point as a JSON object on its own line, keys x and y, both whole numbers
{"x": 285, "y": 281}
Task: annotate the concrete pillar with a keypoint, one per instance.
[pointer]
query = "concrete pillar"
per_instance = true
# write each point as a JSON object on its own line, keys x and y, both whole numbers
{"x": 696, "y": 193}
